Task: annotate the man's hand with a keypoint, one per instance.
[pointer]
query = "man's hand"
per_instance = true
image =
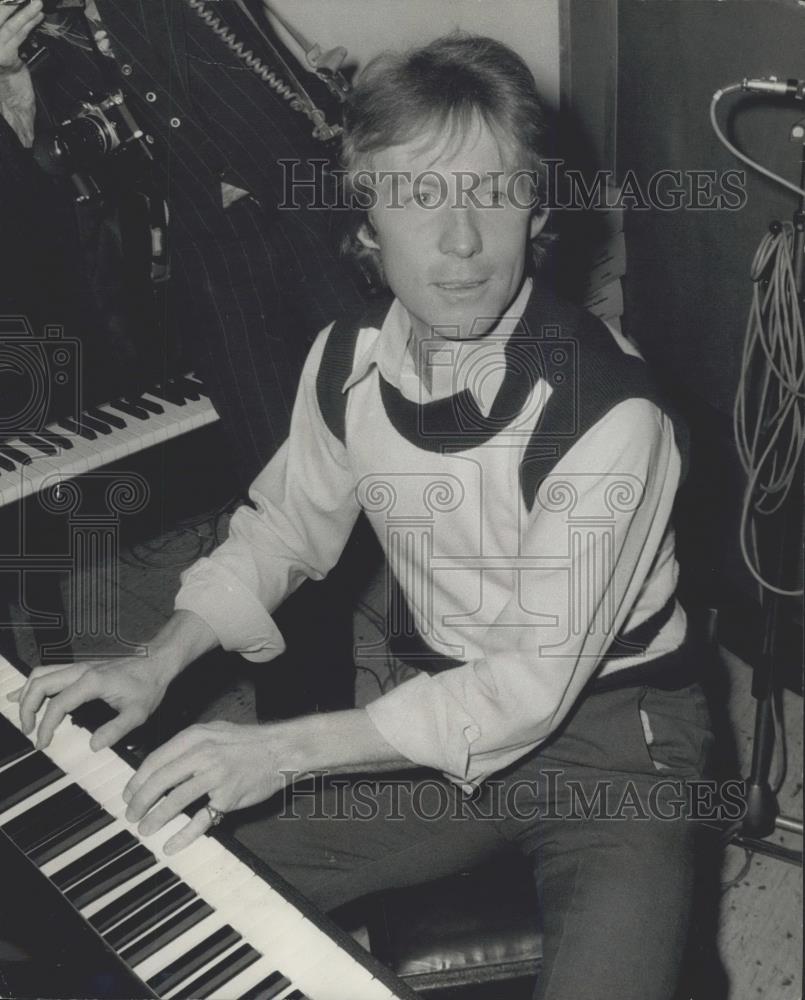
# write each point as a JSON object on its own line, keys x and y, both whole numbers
{"x": 234, "y": 765}
{"x": 16, "y": 23}
{"x": 237, "y": 766}
{"x": 133, "y": 686}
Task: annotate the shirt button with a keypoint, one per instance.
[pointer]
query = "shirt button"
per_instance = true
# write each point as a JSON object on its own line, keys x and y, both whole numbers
{"x": 150, "y": 97}
{"x": 176, "y": 122}
{"x": 125, "y": 69}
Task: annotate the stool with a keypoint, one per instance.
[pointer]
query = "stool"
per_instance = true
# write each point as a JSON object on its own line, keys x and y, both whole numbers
{"x": 477, "y": 927}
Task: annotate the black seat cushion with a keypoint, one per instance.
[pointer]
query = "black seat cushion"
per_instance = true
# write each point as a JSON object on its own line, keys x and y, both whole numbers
{"x": 476, "y": 927}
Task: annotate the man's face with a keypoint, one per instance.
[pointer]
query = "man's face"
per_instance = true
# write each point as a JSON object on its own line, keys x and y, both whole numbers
{"x": 452, "y": 243}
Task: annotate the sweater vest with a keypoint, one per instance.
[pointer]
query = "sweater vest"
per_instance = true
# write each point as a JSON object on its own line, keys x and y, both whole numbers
{"x": 589, "y": 374}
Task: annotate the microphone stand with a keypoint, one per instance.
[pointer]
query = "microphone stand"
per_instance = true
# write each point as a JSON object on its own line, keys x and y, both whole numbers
{"x": 762, "y": 810}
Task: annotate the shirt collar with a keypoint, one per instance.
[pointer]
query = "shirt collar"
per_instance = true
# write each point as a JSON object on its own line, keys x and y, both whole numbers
{"x": 386, "y": 348}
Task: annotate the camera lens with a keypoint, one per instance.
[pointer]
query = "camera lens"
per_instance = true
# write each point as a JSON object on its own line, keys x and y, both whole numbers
{"x": 74, "y": 146}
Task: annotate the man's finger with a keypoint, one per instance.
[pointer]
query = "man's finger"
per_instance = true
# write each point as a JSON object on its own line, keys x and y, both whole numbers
{"x": 173, "y": 803}
{"x": 44, "y": 685}
{"x": 199, "y": 824}
{"x": 11, "y": 16}
{"x": 116, "y": 729}
{"x": 84, "y": 690}
{"x": 170, "y": 751}
{"x": 158, "y": 784}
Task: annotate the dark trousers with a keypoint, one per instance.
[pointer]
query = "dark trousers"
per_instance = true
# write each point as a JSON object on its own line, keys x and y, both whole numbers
{"x": 614, "y": 876}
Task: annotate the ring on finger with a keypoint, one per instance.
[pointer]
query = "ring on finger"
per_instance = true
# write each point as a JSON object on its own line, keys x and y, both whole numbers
{"x": 216, "y": 815}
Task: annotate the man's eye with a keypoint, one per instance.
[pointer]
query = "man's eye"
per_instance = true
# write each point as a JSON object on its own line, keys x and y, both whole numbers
{"x": 427, "y": 199}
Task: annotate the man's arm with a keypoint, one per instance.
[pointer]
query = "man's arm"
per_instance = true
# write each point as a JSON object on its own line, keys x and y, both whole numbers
{"x": 304, "y": 510}
{"x": 17, "y": 101}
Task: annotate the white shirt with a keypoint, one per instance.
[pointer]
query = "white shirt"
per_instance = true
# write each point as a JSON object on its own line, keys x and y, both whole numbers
{"x": 529, "y": 600}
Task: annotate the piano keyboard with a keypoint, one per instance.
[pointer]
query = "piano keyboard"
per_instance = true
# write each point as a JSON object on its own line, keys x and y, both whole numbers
{"x": 200, "y": 923}
{"x": 101, "y": 435}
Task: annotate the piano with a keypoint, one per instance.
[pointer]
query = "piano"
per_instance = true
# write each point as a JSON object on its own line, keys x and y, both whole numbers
{"x": 99, "y": 435}
{"x": 210, "y": 921}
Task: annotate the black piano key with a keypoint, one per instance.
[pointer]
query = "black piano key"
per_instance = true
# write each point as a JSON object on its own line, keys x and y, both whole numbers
{"x": 169, "y": 393}
{"x": 27, "y": 776}
{"x": 134, "y": 899}
{"x": 39, "y": 443}
{"x": 99, "y": 426}
{"x": 7, "y": 465}
{"x": 143, "y": 920}
{"x": 68, "y": 838}
{"x": 218, "y": 975}
{"x": 190, "y": 388}
{"x": 15, "y": 455}
{"x": 13, "y": 744}
{"x": 110, "y": 419}
{"x": 111, "y": 876}
{"x": 75, "y": 428}
{"x": 47, "y": 818}
{"x": 167, "y": 932}
{"x": 123, "y": 406}
{"x": 104, "y": 853}
{"x": 193, "y": 960}
{"x": 147, "y": 404}
{"x": 53, "y": 437}
{"x": 268, "y": 988}
{"x": 297, "y": 995}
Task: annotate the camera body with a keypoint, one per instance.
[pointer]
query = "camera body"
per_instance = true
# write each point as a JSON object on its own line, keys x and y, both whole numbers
{"x": 97, "y": 130}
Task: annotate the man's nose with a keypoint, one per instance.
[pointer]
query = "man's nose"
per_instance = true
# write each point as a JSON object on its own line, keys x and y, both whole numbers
{"x": 461, "y": 234}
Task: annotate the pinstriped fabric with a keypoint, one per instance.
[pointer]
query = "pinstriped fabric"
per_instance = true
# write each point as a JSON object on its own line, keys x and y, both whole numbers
{"x": 252, "y": 284}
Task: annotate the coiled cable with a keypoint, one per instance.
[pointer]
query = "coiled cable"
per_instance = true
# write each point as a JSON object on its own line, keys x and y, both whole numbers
{"x": 322, "y": 130}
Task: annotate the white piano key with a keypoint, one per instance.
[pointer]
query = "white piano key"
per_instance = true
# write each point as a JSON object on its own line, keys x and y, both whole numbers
{"x": 227, "y": 902}
{"x": 39, "y": 461}
{"x": 244, "y": 981}
{"x": 33, "y": 800}
{"x": 127, "y": 437}
{"x": 88, "y": 844}
{"x": 9, "y": 683}
{"x": 96, "y": 905}
{"x": 6, "y": 767}
{"x": 202, "y": 970}
{"x": 179, "y": 946}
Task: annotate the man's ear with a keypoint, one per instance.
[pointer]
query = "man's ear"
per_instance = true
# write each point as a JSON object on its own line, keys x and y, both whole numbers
{"x": 538, "y": 221}
{"x": 366, "y": 236}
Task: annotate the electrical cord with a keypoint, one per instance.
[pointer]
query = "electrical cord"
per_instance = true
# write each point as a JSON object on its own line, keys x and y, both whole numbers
{"x": 769, "y": 411}
{"x": 297, "y": 101}
{"x": 731, "y": 89}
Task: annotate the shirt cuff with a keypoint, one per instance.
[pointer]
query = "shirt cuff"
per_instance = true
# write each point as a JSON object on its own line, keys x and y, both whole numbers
{"x": 239, "y": 620}
{"x": 427, "y": 726}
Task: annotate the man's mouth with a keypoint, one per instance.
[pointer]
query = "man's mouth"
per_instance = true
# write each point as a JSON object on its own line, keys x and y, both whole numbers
{"x": 460, "y": 286}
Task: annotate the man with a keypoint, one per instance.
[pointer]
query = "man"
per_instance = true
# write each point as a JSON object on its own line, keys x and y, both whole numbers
{"x": 519, "y": 471}
{"x": 251, "y": 282}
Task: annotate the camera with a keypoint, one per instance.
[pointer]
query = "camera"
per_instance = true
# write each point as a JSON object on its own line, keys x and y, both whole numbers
{"x": 39, "y": 376}
{"x": 96, "y": 130}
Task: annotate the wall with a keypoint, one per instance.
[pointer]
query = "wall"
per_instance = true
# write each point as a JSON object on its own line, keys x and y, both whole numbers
{"x": 365, "y": 27}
